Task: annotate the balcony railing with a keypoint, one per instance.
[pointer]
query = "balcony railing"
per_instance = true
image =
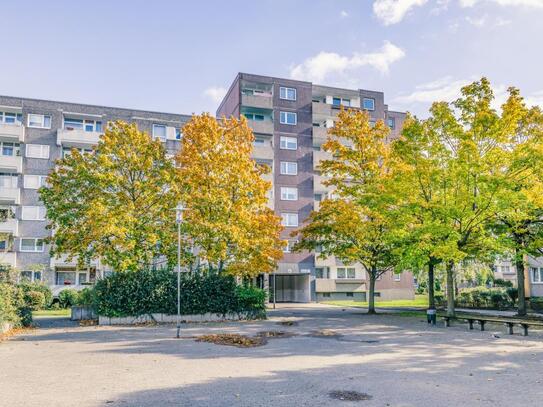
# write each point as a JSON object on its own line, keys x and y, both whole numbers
{"x": 260, "y": 100}
{"x": 319, "y": 156}
{"x": 9, "y": 258}
{"x": 10, "y": 226}
{"x": 346, "y": 284}
{"x": 261, "y": 126}
{"x": 12, "y": 132}
{"x": 11, "y": 163}
{"x": 77, "y": 138}
{"x": 10, "y": 195}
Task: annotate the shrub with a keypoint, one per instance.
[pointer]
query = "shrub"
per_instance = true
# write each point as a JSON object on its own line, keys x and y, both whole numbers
{"x": 512, "y": 292}
{"x": 86, "y": 297}
{"x": 155, "y": 291}
{"x": 482, "y": 297}
{"x": 12, "y": 306}
{"x": 25, "y": 315}
{"x": 536, "y": 303}
{"x": 68, "y": 297}
{"x": 35, "y": 300}
{"x": 439, "y": 297}
{"x": 39, "y": 287}
{"x": 499, "y": 282}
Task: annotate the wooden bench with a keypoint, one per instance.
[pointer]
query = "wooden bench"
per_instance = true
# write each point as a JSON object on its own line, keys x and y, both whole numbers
{"x": 482, "y": 320}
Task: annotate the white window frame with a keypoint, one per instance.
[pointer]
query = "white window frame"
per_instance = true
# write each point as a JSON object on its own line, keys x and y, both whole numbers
{"x": 289, "y": 244}
{"x": 286, "y": 219}
{"x": 289, "y": 194}
{"x": 536, "y": 271}
{"x": 346, "y": 270}
{"x": 364, "y": 105}
{"x": 286, "y": 90}
{"x": 39, "y": 215}
{"x": 391, "y": 122}
{"x": 284, "y": 115}
{"x": 18, "y": 118}
{"x": 42, "y": 116}
{"x": 155, "y": 125}
{"x": 284, "y": 167}
{"x": 397, "y": 277}
{"x": 44, "y": 150}
{"x": 284, "y": 142}
{"x": 35, "y": 239}
{"x": 40, "y": 178}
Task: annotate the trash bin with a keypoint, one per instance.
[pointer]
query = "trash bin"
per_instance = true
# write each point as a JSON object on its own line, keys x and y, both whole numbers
{"x": 431, "y": 316}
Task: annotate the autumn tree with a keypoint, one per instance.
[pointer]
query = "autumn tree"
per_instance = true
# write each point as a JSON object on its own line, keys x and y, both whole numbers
{"x": 519, "y": 215}
{"x": 114, "y": 204}
{"x": 226, "y": 198}
{"x": 361, "y": 223}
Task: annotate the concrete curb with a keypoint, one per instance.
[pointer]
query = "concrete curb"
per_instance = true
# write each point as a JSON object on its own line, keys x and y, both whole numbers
{"x": 166, "y": 318}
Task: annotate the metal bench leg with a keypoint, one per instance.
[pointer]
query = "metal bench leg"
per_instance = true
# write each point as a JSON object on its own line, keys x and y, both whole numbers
{"x": 524, "y": 330}
{"x": 482, "y": 323}
{"x": 509, "y": 328}
{"x": 447, "y": 322}
{"x": 470, "y": 322}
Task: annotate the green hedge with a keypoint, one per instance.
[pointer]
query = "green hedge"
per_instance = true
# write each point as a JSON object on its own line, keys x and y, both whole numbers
{"x": 482, "y": 297}
{"x": 155, "y": 291}
{"x": 14, "y": 308}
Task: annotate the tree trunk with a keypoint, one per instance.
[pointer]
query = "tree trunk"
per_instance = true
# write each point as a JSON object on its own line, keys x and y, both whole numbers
{"x": 450, "y": 289}
{"x": 431, "y": 286}
{"x": 371, "y": 300}
{"x": 519, "y": 264}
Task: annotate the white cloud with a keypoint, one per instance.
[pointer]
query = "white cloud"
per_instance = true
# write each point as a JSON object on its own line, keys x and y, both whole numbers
{"x": 215, "y": 93}
{"x": 344, "y": 14}
{"x": 443, "y": 89}
{"x": 324, "y": 64}
{"x": 477, "y": 22}
{"x": 523, "y": 3}
{"x": 393, "y": 11}
{"x": 535, "y": 99}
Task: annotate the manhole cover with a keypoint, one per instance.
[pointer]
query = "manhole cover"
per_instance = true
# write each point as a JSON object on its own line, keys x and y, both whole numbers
{"x": 349, "y": 395}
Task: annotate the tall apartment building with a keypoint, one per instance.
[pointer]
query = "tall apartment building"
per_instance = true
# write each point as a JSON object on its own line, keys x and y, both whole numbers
{"x": 33, "y": 134}
{"x": 290, "y": 121}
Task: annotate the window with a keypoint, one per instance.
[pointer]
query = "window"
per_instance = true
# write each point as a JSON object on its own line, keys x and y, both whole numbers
{"x": 322, "y": 272}
{"x": 318, "y": 197}
{"x": 326, "y": 295}
{"x": 159, "y": 132}
{"x": 290, "y": 118}
{"x": 66, "y": 151}
{"x": 368, "y": 103}
{"x": 29, "y": 275}
{"x": 537, "y": 274}
{"x": 289, "y": 168}
{"x": 11, "y": 118}
{"x": 33, "y": 213}
{"x": 37, "y": 151}
{"x": 376, "y": 294}
{"x": 10, "y": 149}
{"x": 8, "y": 180}
{"x": 341, "y": 101}
{"x": 257, "y": 117}
{"x": 259, "y": 142}
{"x": 34, "y": 181}
{"x": 345, "y": 272}
{"x": 287, "y": 93}
{"x": 82, "y": 278}
{"x": 31, "y": 245}
{"x": 289, "y": 245}
{"x": 42, "y": 121}
{"x": 178, "y": 133}
{"x": 397, "y": 277}
{"x": 289, "y": 219}
{"x": 349, "y": 294}
{"x": 65, "y": 278}
{"x": 288, "y": 143}
{"x": 80, "y": 124}
{"x": 289, "y": 194}
{"x": 391, "y": 122}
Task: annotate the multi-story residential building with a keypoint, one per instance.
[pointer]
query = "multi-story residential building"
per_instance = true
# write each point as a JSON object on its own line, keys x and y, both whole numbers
{"x": 33, "y": 134}
{"x": 290, "y": 121}
{"x": 533, "y": 274}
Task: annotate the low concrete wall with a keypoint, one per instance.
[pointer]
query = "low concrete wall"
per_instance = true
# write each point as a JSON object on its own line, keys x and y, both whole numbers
{"x": 79, "y": 313}
{"x": 165, "y": 318}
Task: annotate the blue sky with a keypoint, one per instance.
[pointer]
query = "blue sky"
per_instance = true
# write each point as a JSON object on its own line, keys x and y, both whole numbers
{"x": 179, "y": 56}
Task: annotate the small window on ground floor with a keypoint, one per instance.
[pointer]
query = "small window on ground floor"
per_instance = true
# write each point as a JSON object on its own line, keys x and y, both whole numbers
{"x": 349, "y": 294}
{"x": 65, "y": 277}
{"x": 326, "y": 295}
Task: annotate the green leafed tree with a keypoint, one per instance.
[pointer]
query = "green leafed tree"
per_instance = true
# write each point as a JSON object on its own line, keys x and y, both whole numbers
{"x": 361, "y": 223}
{"x": 115, "y": 204}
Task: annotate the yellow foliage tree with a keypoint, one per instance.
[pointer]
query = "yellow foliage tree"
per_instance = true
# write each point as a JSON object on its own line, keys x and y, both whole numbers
{"x": 226, "y": 198}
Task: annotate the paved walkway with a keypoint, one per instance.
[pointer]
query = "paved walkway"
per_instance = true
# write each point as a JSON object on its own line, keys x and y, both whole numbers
{"x": 398, "y": 361}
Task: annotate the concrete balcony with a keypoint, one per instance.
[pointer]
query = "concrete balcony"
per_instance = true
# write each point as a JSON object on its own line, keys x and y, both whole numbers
{"x": 263, "y": 152}
{"x": 323, "y": 110}
{"x": 260, "y": 101}
{"x": 12, "y": 132}
{"x": 63, "y": 261}
{"x": 10, "y": 196}
{"x": 263, "y": 127}
{"x": 10, "y": 226}
{"x": 77, "y": 138}
{"x": 340, "y": 285}
{"x": 318, "y": 185}
{"x": 9, "y": 258}
{"x": 11, "y": 163}
{"x": 319, "y": 156}
{"x": 320, "y": 134}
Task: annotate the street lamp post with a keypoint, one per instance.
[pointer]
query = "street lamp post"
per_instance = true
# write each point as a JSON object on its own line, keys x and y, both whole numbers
{"x": 179, "y": 219}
